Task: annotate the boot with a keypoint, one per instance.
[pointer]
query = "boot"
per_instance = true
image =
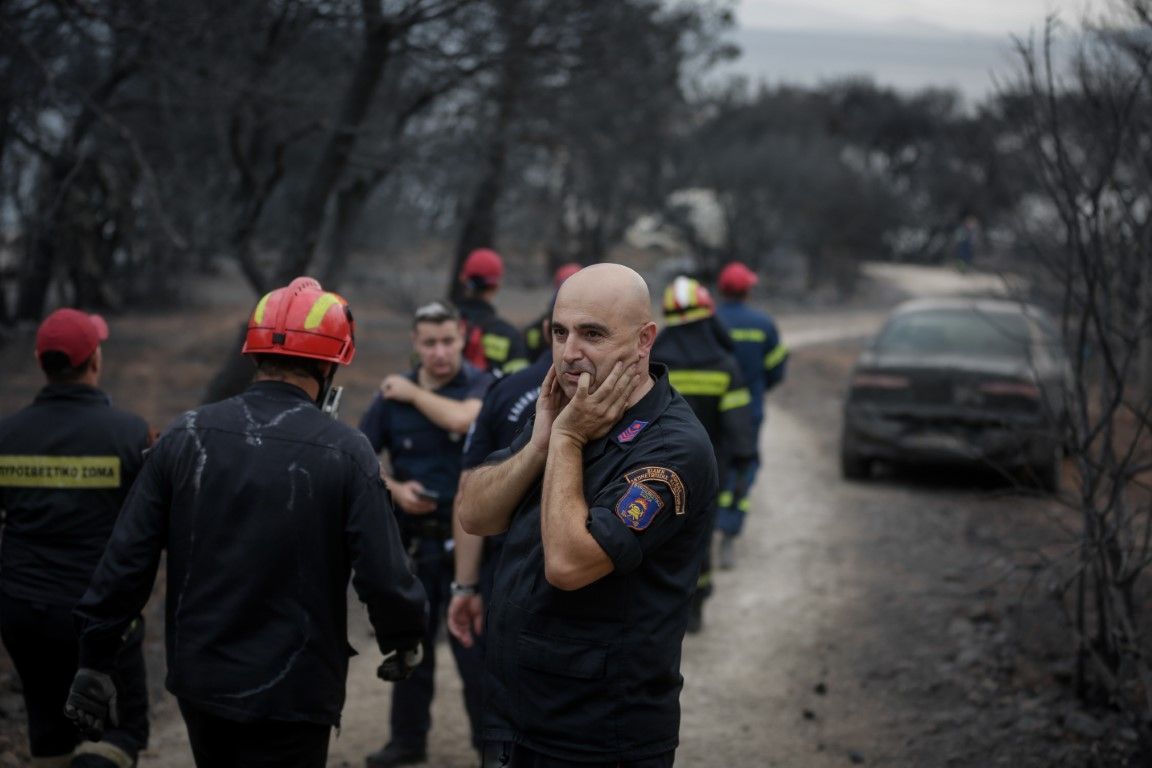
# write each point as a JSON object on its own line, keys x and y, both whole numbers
{"x": 394, "y": 754}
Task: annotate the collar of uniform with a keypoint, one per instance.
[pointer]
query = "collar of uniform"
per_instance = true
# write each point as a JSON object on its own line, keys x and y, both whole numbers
{"x": 648, "y": 409}
{"x": 82, "y": 392}
{"x": 279, "y": 388}
{"x": 475, "y": 309}
{"x": 461, "y": 376}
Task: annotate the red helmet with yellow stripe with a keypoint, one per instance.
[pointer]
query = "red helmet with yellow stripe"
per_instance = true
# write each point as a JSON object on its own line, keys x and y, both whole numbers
{"x": 686, "y": 300}
{"x": 302, "y": 320}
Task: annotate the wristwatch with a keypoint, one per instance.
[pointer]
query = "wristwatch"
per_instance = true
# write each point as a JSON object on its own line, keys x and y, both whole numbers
{"x": 464, "y": 590}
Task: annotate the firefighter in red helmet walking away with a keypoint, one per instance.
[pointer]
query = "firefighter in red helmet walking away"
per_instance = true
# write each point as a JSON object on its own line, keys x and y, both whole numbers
{"x": 266, "y": 507}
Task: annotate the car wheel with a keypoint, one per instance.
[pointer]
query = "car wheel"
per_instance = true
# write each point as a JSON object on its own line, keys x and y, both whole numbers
{"x": 853, "y": 466}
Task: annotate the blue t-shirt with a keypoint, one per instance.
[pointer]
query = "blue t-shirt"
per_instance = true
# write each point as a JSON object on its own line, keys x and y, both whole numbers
{"x": 417, "y": 448}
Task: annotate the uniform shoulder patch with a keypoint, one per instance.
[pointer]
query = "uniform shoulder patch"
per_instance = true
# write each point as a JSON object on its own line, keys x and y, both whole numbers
{"x": 638, "y": 506}
{"x": 664, "y": 476}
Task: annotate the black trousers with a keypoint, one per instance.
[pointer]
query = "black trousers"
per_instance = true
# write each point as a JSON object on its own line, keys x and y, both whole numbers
{"x": 41, "y": 639}
{"x": 509, "y": 755}
{"x": 220, "y": 743}
{"x": 412, "y": 698}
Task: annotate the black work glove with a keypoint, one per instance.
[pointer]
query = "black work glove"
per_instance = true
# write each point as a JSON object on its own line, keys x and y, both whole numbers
{"x": 91, "y": 703}
{"x": 398, "y": 664}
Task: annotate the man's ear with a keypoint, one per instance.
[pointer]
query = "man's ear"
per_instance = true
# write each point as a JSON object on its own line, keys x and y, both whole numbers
{"x": 647, "y": 338}
{"x": 96, "y": 361}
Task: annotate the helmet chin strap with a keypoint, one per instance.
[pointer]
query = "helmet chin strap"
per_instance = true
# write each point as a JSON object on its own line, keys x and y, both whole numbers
{"x": 325, "y": 383}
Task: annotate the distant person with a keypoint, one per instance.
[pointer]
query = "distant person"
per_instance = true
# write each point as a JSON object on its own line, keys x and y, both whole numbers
{"x": 763, "y": 360}
{"x": 608, "y": 502}
{"x": 420, "y": 419}
{"x": 702, "y": 368}
{"x": 966, "y": 235}
{"x": 491, "y": 343}
{"x": 265, "y": 506}
{"x": 66, "y": 464}
{"x": 535, "y": 338}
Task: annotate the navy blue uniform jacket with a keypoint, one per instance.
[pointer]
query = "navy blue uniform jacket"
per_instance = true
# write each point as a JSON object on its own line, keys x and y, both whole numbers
{"x": 265, "y": 505}
{"x": 66, "y": 464}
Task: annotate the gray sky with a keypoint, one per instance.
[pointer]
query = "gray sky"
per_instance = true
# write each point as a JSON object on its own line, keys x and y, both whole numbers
{"x": 907, "y": 44}
{"x": 995, "y": 17}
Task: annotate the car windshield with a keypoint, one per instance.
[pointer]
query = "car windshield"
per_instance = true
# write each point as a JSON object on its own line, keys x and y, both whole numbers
{"x": 955, "y": 332}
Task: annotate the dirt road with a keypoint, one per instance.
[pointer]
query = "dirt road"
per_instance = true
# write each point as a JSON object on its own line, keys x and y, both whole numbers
{"x": 863, "y": 624}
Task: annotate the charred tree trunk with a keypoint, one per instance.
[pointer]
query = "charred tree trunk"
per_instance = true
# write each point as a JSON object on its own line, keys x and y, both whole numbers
{"x": 480, "y": 219}
{"x": 309, "y": 219}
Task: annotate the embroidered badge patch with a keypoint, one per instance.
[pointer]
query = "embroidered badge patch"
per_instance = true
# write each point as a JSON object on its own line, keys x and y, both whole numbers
{"x": 660, "y": 475}
{"x": 638, "y": 506}
{"x": 629, "y": 434}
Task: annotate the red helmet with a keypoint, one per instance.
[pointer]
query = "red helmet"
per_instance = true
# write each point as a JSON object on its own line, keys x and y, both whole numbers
{"x": 302, "y": 320}
{"x": 736, "y": 278}
{"x": 686, "y": 300}
{"x": 563, "y": 272}
{"x": 484, "y": 266}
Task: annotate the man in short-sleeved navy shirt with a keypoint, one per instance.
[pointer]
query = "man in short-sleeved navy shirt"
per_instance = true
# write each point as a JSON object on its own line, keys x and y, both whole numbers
{"x": 608, "y": 502}
{"x": 420, "y": 419}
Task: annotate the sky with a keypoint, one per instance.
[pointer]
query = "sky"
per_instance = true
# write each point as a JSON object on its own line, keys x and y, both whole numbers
{"x": 965, "y": 45}
{"x": 993, "y": 17}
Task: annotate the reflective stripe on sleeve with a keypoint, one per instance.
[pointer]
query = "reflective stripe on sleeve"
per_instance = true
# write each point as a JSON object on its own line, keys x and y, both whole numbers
{"x": 735, "y": 399}
{"x": 712, "y": 383}
{"x": 495, "y": 347}
{"x": 775, "y": 357}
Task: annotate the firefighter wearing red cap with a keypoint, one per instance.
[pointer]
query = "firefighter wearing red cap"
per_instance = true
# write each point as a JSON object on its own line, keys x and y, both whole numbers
{"x": 701, "y": 367}
{"x": 66, "y": 464}
{"x": 763, "y": 359}
{"x": 491, "y": 343}
{"x": 265, "y": 506}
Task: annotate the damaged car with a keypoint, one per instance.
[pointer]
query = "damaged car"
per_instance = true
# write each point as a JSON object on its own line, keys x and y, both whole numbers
{"x": 960, "y": 380}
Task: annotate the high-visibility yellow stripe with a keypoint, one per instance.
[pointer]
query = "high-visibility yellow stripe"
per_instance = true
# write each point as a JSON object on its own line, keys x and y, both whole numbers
{"x": 744, "y": 505}
{"x": 687, "y": 317}
{"x": 532, "y": 337}
{"x": 747, "y": 334}
{"x": 775, "y": 357}
{"x": 735, "y": 399}
{"x": 258, "y": 315}
{"x": 60, "y": 471}
{"x": 495, "y": 347}
{"x": 316, "y": 314}
{"x": 713, "y": 383}
{"x": 518, "y": 364}
{"x": 724, "y": 499}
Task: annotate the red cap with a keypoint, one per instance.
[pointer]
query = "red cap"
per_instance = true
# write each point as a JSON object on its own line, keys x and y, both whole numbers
{"x": 75, "y": 333}
{"x": 736, "y": 278}
{"x": 483, "y": 264}
{"x": 563, "y": 272}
